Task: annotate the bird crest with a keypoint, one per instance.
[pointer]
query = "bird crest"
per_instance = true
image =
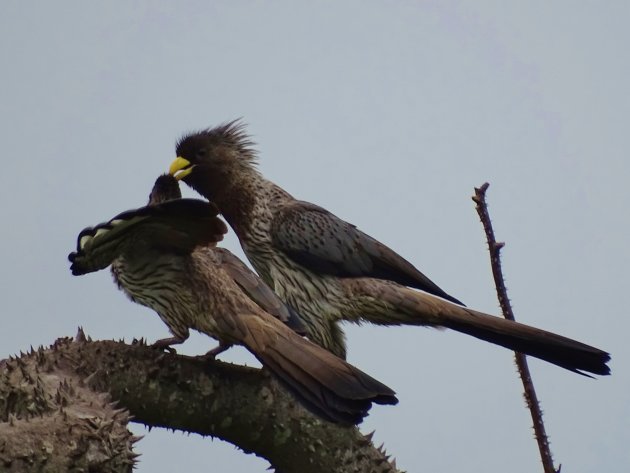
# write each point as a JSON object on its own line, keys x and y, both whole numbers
{"x": 231, "y": 136}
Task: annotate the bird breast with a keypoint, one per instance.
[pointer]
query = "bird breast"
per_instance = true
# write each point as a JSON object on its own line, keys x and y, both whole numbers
{"x": 155, "y": 281}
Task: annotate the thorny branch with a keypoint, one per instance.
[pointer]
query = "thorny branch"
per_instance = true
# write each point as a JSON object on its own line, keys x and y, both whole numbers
{"x": 531, "y": 399}
{"x": 241, "y": 405}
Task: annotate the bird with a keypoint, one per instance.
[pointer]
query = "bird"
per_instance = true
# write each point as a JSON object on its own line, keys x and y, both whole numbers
{"x": 165, "y": 256}
{"x": 330, "y": 271}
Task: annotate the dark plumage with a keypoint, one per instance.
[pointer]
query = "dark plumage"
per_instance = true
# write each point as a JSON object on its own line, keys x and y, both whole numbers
{"x": 329, "y": 271}
{"x": 164, "y": 256}
{"x": 322, "y": 242}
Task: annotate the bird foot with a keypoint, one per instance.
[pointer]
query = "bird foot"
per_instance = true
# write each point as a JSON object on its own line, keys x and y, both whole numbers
{"x": 212, "y": 354}
{"x": 165, "y": 344}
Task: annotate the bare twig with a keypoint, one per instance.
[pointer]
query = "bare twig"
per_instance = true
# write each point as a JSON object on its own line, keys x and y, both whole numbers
{"x": 521, "y": 361}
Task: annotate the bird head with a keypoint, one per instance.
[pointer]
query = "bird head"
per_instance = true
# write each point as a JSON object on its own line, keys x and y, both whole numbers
{"x": 210, "y": 159}
{"x": 166, "y": 187}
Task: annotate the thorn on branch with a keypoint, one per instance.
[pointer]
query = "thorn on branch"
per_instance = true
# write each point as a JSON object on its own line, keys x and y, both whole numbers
{"x": 80, "y": 336}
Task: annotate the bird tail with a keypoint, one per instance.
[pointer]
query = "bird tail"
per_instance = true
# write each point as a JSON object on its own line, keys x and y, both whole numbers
{"x": 407, "y": 306}
{"x": 325, "y": 384}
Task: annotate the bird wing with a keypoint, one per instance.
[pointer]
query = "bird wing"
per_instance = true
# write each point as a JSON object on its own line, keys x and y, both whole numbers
{"x": 258, "y": 291}
{"x": 324, "y": 243}
{"x": 174, "y": 226}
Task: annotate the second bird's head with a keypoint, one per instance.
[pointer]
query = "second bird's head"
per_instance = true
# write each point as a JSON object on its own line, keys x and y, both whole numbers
{"x": 211, "y": 159}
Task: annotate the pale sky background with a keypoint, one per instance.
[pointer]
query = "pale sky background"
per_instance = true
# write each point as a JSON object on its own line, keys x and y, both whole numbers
{"x": 386, "y": 113}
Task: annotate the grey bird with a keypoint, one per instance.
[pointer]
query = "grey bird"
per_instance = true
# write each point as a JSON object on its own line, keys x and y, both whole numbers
{"x": 329, "y": 270}
{"x": 164, "y": 256}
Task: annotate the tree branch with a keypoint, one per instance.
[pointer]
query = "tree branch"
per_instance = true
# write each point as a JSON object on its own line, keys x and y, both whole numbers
{"x": 50, "y": 421}
{"x": 531, "y": 398}
{"x": 241, "y": 405}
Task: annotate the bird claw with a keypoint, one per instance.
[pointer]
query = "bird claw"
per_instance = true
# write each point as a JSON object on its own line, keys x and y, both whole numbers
{"x": 165, "y": 348}
{"x": 212, "y": 354}
{"x": 165, "y": 345}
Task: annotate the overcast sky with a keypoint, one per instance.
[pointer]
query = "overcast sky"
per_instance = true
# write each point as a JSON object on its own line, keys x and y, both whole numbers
{"x": 386, "y": 113}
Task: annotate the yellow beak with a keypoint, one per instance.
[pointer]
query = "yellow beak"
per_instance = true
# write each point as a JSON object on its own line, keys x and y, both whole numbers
{"x": 180, "y": 168}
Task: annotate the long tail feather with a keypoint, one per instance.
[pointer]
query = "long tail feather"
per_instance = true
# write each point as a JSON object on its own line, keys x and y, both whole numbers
{"x": 401, "y": 305}
{"x": 324, "y": 383}
{"x": 562, "y": 351}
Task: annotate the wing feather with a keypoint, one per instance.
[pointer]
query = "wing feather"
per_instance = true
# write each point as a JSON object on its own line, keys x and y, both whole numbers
{"x": 324, "y": 243}
{"x": 258, "y": 291}
{"x": 177, "y": 226}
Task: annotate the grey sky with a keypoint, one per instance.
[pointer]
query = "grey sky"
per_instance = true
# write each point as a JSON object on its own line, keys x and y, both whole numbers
{"x": 386, "y": 113}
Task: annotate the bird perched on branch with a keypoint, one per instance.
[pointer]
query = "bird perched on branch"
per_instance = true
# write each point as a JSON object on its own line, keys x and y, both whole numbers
{"x": 164, "y": 256}
{"x": 329, "y": 270}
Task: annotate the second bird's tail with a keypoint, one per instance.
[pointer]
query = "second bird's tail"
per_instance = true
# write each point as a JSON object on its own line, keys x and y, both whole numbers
{"x": 325, "y": 384}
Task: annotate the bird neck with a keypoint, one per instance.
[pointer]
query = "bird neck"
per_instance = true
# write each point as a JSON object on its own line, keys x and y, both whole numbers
{"x": 238, "y": 202}
{"x": 250, "y": 213}
{"x": 241, "y": 195}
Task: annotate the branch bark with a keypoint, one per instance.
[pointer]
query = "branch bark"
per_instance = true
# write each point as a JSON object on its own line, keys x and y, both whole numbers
{"x": 241, "y": 405}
